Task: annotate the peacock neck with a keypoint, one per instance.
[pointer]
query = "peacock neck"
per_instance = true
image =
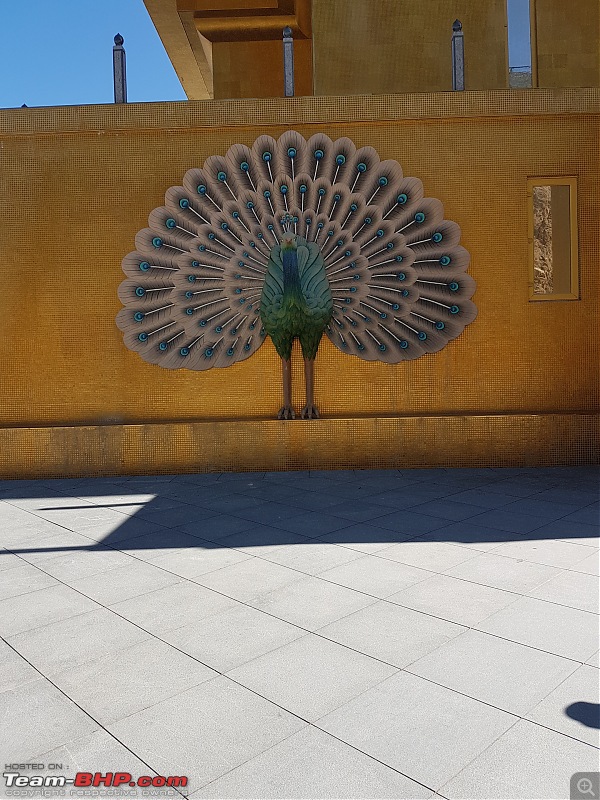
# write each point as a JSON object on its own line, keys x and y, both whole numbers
{"x": 291, "y": 276}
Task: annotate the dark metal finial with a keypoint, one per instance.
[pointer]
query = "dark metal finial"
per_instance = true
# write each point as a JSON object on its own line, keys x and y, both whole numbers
{"x": 457, "y": 26}
{"x": 119, "y": 40}
{"x": 287, "y": 33}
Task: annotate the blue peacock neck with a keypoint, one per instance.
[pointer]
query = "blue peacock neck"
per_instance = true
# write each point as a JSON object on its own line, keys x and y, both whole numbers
{"x": 291, "y": 276}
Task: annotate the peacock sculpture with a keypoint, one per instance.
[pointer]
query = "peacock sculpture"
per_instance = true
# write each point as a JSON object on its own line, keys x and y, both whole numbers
{"x": 295, "y": 239}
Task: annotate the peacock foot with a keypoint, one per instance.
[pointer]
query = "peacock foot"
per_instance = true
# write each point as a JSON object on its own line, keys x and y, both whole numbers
{"x": 310, "y": 412}
{"x": 286, "y": 412}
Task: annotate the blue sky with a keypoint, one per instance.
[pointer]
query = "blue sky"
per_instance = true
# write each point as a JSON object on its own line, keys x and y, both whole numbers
{"x": 60, "y": 53}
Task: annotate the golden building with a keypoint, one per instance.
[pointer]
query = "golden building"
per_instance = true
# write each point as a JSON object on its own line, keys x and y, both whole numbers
{"x": 519, "y": 170}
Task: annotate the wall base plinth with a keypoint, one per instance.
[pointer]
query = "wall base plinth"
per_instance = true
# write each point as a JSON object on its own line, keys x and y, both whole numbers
{"x": 523, "y": 440}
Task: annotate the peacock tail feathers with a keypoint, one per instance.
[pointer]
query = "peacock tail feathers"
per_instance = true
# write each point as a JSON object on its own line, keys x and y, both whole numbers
{"x": 394, "y": 266}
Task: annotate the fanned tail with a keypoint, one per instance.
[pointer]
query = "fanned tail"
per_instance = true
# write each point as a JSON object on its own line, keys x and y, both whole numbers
{"x": 396, "y": 269}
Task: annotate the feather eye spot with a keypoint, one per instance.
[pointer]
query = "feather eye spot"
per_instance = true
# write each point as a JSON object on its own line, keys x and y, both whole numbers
{"x": 454, "y": 309}
{"x": 218, "y": 329}
{"x": 309, "y": 220}
{"x": 445, "y": 261}
{"x": 189, "y": 312}
{"x": 420, "y": 217}
{"x": 291, "y": 152}
{"x": 170, "y": 223}
{"x": 368, "y": 220}
{"x": 401, "y": 276}
{"x": 283, "y": 189}
{"x": 224, "y": 226}
{"x": 356, "y": 277}
{"x": 144, "y": 266}
{"x": 163, "y": 346}
{"x": 251, "y": 327}
{"x": 440, "y": 326}
{"x": 230, "y": 351}
{"x": 404, "y": 344}
{"x": 454, "y": 287}
{"x": 140, "y": 291}
{"x": 353, "y": 288}
{"x": 267, "y": 156}
{"x": 319, "y": 154}
{"x": 250, "y": 205}
{"x": 362, "y": 167}
{"x": 221, "y": 177}
{"x": 402, "y": 199}
{"x": 157, "y": 242}
{"x": 195, "y": 263}
{"x": 405, "y": 293}
{"x": 211, "y": 236}
{"x": 235, "y": 214}
{"x": 246, "y": 347}
{"x": 437, "y": 237}
{"x": 303, "y": 189}
{"x": 244, "y": 166}
{"x": 192, "y": 278}
{"x": 341, "y": 159}
{"x": 237, "y": 276}
{"x": 189, "y": 295}
{"x": 143, "y": 337}
{"x": 202, "y": 247}
{"x": 201, "y": 189}
{"x": 203, "y": 323}
{"x": 184, "y": 352}
{"x": 399, "y": 259}
{"x": 267, "y": 193}
{"x": 383, "y": 315}
{"x": 184, "y": 203}
{"x": 383, "y": 348}
{"x": 395, "y": 306}
{"x": 242, "y": 299}
{"x": 380, "y": 232}
{"x": 389, "y": 246}
{"x": 238, "y": 291}
{"x": 383, "y": 181}
{"x": 353, "y": 207}
{"x": 138, "y": 316}
{"x": 208, "y": 352}
{"x": 422, "y": 336}
{"x": 321, "y": 192}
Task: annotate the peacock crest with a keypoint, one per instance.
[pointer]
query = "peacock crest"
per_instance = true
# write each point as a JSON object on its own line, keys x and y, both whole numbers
{"x": 295, "y": 239}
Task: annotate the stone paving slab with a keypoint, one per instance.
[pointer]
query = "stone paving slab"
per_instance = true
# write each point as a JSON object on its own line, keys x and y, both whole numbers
{"x": 346, "y": 634}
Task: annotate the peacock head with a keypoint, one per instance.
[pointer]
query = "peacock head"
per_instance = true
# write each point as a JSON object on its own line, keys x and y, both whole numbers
{"x": 288, "y": 238}
{"x": 289, "y": 241}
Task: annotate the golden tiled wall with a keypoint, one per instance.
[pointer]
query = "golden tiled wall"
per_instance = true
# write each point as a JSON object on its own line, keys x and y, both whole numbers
{"x": 567, "y": 41}
{"x": 78, "y": 183}
{"x": 375, "y": 46}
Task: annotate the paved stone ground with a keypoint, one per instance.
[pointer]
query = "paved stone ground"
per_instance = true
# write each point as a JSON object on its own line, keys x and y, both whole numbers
{"x": 367, "y": 634}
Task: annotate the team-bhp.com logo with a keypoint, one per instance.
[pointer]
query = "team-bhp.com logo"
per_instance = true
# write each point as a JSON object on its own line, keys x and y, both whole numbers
{"x": 93, "y": 779}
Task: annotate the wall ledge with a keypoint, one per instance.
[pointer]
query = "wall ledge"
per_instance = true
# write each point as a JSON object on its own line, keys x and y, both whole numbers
{"x": 499, "y": 440}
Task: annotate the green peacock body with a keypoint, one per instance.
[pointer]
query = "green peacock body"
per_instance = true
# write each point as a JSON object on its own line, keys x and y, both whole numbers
{"x": 296, "y": 298}
{"x": 292, "y": 239}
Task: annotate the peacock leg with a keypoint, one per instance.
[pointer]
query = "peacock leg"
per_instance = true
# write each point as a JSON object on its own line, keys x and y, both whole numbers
{"x": 310, "y": 410}
{"x": 286, "y": 411}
